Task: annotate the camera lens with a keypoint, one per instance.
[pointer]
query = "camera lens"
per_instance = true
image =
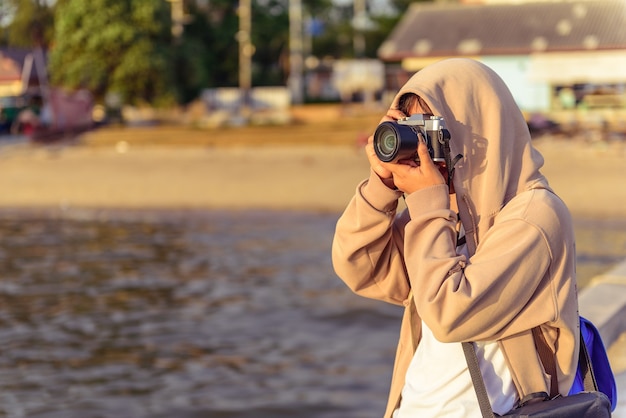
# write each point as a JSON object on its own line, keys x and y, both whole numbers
{"x": 393, "y": 142}
{"x": 386, "y": 143}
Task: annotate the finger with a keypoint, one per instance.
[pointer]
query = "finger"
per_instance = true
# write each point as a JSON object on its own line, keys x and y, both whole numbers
{"x": 371, "y": 154}
{"x": 395, "y": 169}
{"x": 428, "y": 166}
{"x": 369, "y": 149}
{"x": 396, "y": 114}
{"x": 388, "y": 166}
{"x": 425, "y": 161}
{"x": 393, "y": 115}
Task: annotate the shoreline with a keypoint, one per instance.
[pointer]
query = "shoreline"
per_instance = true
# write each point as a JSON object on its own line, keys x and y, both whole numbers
{"x": 313, "y": 164}
{"x": 309, "y": 177}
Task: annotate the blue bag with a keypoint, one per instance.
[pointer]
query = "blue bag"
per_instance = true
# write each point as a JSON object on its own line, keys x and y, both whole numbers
{"x": 599, "y": 363}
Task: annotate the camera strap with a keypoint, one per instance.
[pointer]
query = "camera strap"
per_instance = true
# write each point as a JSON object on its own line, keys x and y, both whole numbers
{"x": 450, "y": 163}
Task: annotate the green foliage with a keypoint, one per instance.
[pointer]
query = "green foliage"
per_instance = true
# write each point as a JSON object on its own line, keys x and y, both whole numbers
{"x": 221, "y": 24}
{"x": 384, "y": 26}
{"x": 31, "y": 24}
{"x": 317, "y": 7}
{"x": 126, "y": 46}
{"x": 270, "y": 37}
{"x": 120, "y": 46}
{"x": 402, "y": 5}
{"x": 337, "y": 39}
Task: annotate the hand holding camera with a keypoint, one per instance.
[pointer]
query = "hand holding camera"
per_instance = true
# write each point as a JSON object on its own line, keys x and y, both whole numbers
{"x": 412, "y": 150}
{"x": 396, "y": 141}
{"x": 410, "y": 177}
{"x": 377, "y": 165}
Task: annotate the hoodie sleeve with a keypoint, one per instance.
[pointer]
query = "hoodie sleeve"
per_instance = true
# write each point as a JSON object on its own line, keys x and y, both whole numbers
{"x": 367, "y": 250}
{"x": 488, "y": 296}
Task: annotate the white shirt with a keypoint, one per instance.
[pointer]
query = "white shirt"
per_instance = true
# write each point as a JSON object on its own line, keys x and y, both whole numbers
{"x": 438, "y": 383}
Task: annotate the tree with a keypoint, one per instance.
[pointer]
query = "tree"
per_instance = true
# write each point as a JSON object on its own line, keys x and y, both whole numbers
{"x": 31, "y": 22}
{"x": 401, "y": 5}
{"x": 121, "y": 46}
{"x": 270, "y": 38}
{"x": 337, "y": 38}
{"x": 126, "y": 46}
{"x": 191, "y": 56}
{"x": 222, "y": 58}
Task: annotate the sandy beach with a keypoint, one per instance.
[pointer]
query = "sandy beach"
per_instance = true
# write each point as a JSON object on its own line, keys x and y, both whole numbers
{"x": 129, "y": 168}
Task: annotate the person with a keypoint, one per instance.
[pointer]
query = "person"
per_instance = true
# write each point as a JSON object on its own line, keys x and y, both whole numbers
{"x": 512, "y": 271}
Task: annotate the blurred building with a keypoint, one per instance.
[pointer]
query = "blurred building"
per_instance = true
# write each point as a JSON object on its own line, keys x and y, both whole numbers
{"x": 19, "y": 84}
{"x": 553, "y": 55}
{"x": 29, "y": 105}
{"x": 18, "y": 73}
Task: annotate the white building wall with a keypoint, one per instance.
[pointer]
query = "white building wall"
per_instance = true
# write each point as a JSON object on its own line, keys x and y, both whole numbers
{"x": 530, "y": 95}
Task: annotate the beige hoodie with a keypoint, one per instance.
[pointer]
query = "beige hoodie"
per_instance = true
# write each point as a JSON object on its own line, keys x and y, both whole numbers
{"x": 520, "y": 273}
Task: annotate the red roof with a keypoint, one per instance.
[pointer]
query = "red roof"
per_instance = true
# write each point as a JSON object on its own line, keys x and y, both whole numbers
{"x": 9, "y": 70}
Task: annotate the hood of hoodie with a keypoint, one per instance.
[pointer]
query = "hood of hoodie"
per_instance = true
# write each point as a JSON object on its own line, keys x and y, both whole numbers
{"x": 488, "y": 129}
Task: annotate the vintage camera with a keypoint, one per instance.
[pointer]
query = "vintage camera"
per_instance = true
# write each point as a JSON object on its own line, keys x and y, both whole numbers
{"x": 398, "y": 140}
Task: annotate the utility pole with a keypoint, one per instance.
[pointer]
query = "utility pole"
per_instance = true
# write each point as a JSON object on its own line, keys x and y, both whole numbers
{"x": 296, "y": 44}
{"x": 178, "y": 18}
{"x": 246, "y": 50}
{"x": 359, "y": 22}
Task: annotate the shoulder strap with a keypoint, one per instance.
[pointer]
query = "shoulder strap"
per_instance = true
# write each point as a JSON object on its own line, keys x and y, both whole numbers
{"x": 547, "y": 358}
{"x": 477, "y": 379}
{"x": 585, "y": 366}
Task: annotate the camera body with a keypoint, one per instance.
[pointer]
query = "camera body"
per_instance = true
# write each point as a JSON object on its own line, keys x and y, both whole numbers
{"x": 394, "y": 141}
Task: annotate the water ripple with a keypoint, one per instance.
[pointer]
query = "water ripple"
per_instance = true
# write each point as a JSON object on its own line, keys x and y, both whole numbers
{"x": 226, "y": 315}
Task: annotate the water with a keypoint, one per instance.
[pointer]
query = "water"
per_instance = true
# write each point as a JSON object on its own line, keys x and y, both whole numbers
{"x": 208, "y": 314}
